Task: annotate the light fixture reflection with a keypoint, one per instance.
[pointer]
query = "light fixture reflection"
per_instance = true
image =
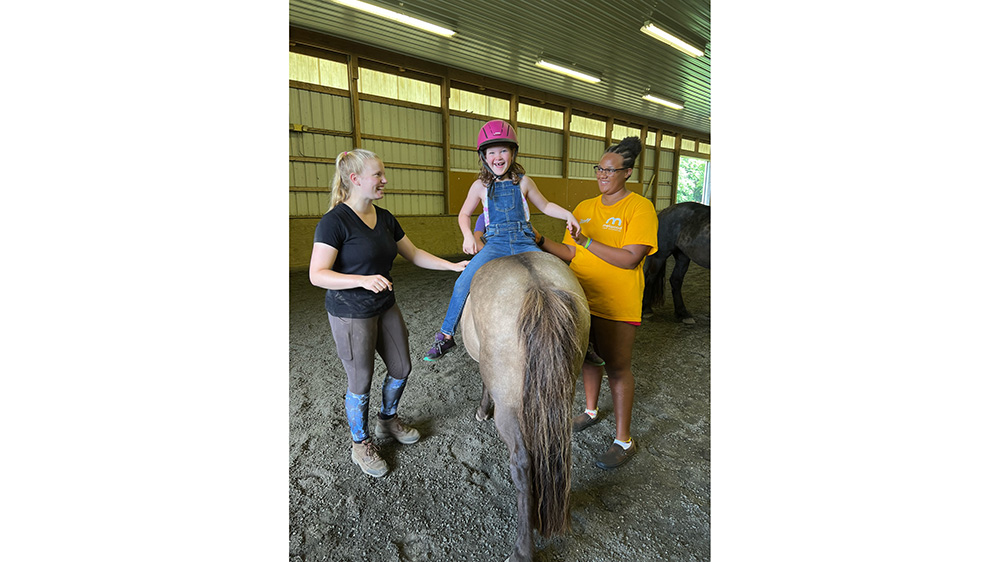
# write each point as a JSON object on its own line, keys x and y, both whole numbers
{"x": 571, "y": 72}
{"x": 662, "y": 101}
{"x": 395, "y": 16}
{"x": 670, "y": 39}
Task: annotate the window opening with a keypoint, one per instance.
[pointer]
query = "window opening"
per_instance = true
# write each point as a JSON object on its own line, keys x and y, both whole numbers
{"x": 693, "y": 181}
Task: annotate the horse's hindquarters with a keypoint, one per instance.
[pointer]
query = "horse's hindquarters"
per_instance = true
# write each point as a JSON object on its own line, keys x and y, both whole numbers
{"x": 528, "y": 321}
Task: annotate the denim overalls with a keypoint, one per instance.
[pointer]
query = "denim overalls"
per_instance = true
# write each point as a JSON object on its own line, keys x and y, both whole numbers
{"x": 508, "y": 233}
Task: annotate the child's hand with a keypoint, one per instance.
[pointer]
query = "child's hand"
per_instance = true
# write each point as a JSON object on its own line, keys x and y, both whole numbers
{"x": 469, "y": 246}
{"x": 573, "y": 226}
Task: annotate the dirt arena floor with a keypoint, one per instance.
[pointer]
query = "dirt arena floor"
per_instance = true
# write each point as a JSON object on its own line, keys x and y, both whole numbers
{"x": 449, "y": 497}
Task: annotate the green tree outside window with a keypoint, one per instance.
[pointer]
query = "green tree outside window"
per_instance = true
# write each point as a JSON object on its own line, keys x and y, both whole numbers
{"x": 691, "y": 180}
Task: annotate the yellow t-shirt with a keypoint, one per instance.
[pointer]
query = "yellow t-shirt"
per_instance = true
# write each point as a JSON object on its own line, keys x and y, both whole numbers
{"x": 612, "y": 292}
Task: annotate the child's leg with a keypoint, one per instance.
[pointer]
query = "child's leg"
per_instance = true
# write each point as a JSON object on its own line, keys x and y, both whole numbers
{"x": 524, "y": 241}
{"x": 464, "y": 283}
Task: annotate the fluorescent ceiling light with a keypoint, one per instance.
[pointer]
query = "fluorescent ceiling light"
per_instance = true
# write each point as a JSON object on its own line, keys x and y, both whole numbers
{"x": 670, "y": 39}
{"x": 549, "y": 65}
{"x": 394, "y": 16}
{"x": 663, "y": 101}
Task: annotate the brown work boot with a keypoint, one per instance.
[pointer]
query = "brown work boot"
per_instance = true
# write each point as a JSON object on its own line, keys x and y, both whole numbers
{"x": 365, "y": 455}
{"x": 397, "y": 430}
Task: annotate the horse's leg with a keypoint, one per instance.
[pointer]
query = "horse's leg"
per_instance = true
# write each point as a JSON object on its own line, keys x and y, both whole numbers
{"x": 483, "y": 412}
{"x": 681, "y": 263}
{"x": 509, "y": 431}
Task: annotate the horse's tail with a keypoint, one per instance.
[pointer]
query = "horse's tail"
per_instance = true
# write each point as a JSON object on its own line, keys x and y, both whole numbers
{"x": 548, "y": 323}
{"x": 655, "y": 278}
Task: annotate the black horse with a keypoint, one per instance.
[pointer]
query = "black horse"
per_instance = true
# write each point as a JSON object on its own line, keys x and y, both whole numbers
{"x": 685, "y": 232}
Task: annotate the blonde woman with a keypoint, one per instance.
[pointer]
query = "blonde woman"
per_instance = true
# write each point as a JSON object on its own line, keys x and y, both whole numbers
{"x": 353, "y": 250}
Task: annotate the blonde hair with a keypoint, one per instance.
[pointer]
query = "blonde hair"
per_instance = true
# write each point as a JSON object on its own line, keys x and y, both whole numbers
{"x": 348, "y": 162}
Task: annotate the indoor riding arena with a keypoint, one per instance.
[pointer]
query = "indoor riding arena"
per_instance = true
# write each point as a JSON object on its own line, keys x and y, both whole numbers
{"x": 450, "y": 496}
{"x": 417, "y": 99}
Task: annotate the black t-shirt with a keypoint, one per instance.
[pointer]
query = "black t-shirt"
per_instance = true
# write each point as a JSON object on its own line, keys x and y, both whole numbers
{"x": 360, "y": 251}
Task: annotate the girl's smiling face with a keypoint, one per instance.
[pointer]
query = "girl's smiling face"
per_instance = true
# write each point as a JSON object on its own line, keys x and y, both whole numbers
{"x": 498, "y": 158}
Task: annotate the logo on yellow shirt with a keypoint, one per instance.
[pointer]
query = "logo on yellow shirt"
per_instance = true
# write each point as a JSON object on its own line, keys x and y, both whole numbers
{"x": 613, "y": 224}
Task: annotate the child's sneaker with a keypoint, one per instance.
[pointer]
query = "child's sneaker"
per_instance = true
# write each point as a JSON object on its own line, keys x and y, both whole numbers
{"x": 441, "y": 346}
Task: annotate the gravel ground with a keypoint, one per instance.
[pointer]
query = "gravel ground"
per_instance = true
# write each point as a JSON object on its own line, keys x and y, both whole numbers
{"x": 450, "y": 496}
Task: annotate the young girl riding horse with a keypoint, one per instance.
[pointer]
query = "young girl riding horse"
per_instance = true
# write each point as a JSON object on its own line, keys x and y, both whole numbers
{"x": 504, "y": 191}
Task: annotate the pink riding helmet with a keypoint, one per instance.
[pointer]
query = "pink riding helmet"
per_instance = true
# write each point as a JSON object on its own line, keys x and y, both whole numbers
{"x": 493, "y": 132}
{"x": 496, "y": 131}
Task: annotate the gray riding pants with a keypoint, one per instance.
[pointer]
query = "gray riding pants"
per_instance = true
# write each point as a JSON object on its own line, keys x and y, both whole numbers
{"x": 359, "y": 339}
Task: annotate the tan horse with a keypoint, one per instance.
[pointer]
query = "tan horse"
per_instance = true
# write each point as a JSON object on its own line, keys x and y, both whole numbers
{"x": 527, "y": 323}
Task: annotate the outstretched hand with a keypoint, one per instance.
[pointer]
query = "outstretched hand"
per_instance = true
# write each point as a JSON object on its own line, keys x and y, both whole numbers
{"x": 460, "y": 266}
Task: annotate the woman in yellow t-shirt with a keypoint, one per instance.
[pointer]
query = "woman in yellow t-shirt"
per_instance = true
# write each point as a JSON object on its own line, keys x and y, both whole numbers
{"x": 617, "y": 232}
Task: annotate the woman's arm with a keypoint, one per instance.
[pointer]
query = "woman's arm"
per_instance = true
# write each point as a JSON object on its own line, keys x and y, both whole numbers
{"x": 424, "y": 259}
{"x": 322, "y": 275}
{"x": 478, "y": 231}
{"x": 628, "y": 257}
{"x": 557, "y": 249}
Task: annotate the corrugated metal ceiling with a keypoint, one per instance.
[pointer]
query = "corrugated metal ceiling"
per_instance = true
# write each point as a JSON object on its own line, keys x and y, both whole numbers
{"x": 502, "y": 40}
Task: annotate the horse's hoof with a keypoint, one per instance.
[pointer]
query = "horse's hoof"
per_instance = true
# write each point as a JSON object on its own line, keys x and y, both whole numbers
{"x": 481, "y": 416}
{"x": 688, "y": 320}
